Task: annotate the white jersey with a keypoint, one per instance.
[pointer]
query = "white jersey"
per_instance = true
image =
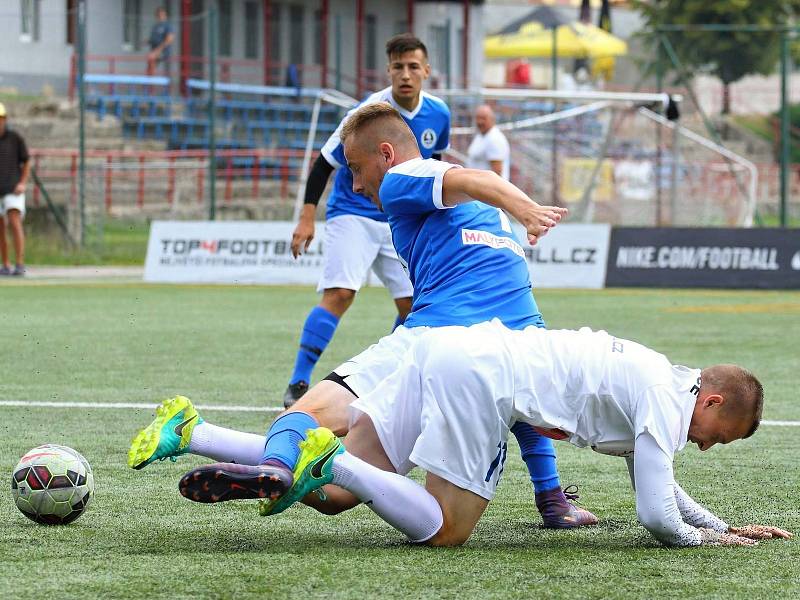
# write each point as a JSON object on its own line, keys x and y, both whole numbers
{"x": 600, "y": 391}
{"x": 489, "y": 146}
{"x": 452, "y": 401}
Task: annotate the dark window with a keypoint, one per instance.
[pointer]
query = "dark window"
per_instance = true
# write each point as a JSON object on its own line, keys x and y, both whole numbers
{"x": 72, "y": 21}
{"x": 31, "y": 14}
{"x": 296, "y": 31}
{"x": 371, "y": 42}
{"x": 225, "y": 25}
{"x": 275, "y": 32}
{"x": 132, "y": 25}
{"x": 318, "y": 25}
{"x": 439, "y": 36}
{"x": 251, "y": 24}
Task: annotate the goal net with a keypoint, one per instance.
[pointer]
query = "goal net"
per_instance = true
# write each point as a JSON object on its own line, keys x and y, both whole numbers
{"x": 611, "y": 157}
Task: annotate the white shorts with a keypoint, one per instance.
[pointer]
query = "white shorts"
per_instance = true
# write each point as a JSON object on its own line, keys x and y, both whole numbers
{"x": 352, "y": 246}
{"x": 12, "y": 201}
{"x": 448, "y": 409}
{"x": 366, "y": 370}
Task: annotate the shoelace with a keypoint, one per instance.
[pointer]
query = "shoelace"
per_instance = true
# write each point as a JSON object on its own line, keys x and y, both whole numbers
{"x": 571, "y": 493}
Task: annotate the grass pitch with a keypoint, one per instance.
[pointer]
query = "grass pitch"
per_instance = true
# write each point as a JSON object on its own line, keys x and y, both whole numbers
{"x": 235, "y": 345}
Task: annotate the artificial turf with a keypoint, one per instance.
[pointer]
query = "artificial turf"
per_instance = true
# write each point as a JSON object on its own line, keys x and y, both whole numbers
{"x": 106, "y": 342}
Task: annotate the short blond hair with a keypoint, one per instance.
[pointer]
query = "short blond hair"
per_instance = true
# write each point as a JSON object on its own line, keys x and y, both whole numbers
{"x": 393, "y": 128}
{"x": 742, "y": 390}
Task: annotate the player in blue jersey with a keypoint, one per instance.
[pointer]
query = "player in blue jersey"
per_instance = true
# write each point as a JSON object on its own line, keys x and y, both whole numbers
{"x": 357, "y": 236}
{"x": 466, "y": 267}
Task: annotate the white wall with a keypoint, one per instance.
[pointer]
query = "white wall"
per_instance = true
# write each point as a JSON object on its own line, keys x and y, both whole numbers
{"x": 29, "y": 65}
{"x": 26, "y": 64}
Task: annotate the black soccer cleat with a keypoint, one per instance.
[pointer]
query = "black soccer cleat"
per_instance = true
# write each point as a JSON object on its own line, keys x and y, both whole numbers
{"x": 294, "y": 392}
{"x": 219, "y": 482}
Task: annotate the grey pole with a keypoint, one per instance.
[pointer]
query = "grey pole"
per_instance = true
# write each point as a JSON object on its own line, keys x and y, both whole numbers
{"x": 212, "y": 112}
{"x": 82, "y": 121}
{"x": 785, "y": 136}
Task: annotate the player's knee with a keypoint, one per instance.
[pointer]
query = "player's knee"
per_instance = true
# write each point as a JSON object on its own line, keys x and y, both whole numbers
{"x": 337, "y": 300}
{"x": 449, "y": 535}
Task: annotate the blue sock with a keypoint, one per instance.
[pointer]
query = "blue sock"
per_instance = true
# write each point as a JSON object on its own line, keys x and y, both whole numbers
{"x": 317, "y": 332}
{"x": 397, "y": 322}
{"x": 539, "y": 455}
{"x": 284, "y": 437}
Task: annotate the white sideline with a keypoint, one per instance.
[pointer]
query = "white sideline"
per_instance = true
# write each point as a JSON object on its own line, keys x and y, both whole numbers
{"x": 213, "y": 407}
{"x": 138, "y": 405}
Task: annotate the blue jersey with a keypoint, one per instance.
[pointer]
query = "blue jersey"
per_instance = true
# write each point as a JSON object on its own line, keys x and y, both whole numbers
{"x": 465, "y": 263}
{"x": 430, "y": 122}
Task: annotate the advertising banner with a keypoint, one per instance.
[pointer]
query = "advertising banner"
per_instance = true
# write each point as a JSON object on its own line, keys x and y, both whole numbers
{"x": 230, "y": 252}
{"x": 713, "y": 258}
{"x": 569, "y": 256}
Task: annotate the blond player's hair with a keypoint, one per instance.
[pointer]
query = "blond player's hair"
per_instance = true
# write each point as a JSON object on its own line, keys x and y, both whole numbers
{"x": 377, "y": 122}
{"x": 742, "y": 391}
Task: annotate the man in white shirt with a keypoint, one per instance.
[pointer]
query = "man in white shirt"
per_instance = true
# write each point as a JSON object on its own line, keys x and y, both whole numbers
{"x": 449, "y": 408}
{"x": 489, "y": 149}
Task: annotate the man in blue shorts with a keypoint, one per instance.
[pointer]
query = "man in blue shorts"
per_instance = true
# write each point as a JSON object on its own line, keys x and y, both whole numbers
{"x": 466, "y": 267}
{"x": 357, "y": 236}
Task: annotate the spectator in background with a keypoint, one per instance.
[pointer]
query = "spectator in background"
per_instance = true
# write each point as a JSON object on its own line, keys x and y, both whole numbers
{"x": 489, "y": 149}
{"x": 160, "y": 40}
{"x": 14, "y": 171}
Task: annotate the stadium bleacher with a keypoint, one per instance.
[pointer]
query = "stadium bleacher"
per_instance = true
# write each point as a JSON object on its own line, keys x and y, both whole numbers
{"x": 248, "y": 116}
{"x": 128, "y": 95}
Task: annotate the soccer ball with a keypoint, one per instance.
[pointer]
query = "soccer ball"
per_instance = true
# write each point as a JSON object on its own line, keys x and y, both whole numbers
{"x": 52, "y": 484}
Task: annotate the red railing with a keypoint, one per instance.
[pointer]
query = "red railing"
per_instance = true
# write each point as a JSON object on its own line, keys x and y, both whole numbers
{"x": 153, "y": 174}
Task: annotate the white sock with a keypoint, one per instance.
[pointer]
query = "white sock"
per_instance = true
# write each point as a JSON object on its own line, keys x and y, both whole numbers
{"x": 404, "y": 504}
{"x": 227, "y": 445}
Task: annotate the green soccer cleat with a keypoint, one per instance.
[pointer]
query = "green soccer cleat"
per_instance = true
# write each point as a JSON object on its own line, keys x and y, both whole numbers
{"x": 167, "y": 436}
{"x": 314, "y": 469}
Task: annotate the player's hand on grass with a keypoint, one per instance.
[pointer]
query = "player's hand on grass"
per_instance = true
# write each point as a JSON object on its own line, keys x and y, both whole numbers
{"x": 759, "y": 532}
{"x": 303, "y": 236}
{"x": 716, "y": 538}
{"x": 538, "y": 220}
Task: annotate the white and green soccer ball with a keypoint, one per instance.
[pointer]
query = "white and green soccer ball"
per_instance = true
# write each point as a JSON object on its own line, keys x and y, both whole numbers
{"x": 52, "y": 484}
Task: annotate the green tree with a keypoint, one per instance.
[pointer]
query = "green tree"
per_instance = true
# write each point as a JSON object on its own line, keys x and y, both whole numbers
{"x": 728, "y": 55}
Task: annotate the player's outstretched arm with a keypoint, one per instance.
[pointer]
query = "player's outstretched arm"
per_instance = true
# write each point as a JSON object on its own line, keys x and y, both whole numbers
{"x": 697, "y": 515}
{"x": 466, "y": 185}
{"x": 315, "y": 185}
{"x": 656, "y": 505}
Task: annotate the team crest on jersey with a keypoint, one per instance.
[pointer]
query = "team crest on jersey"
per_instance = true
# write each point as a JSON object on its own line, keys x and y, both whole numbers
{"x": 428, "y": 138}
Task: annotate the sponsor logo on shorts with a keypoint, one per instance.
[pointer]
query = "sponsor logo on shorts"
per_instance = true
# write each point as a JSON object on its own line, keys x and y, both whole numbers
{"x": 472, "y": 237}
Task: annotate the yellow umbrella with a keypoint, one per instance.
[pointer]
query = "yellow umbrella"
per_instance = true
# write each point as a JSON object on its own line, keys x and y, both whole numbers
{"x": 573, "y": 40}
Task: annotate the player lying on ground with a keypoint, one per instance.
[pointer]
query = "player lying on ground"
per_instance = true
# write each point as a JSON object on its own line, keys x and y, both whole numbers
{"x": 466, "y": 267}
{"x": 449, "y": 408}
